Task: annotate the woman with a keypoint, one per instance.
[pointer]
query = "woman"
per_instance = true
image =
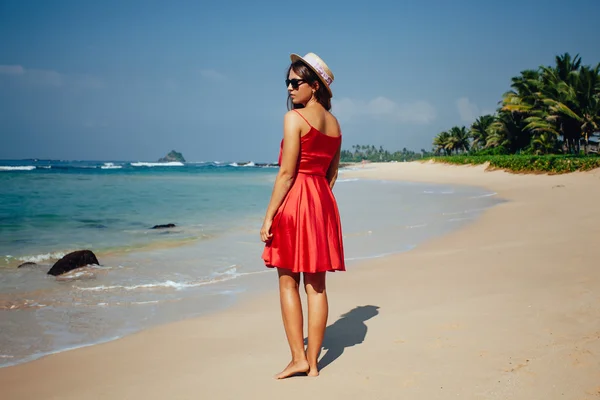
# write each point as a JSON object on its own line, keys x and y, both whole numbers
{"x": 302, "y": 229}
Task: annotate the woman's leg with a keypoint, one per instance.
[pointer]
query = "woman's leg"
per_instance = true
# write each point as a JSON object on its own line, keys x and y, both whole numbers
{"x": 318, "y": 309}
{"x": 291, "y": 312}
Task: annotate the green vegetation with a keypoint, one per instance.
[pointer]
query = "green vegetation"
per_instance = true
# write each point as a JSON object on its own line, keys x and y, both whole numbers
{"x": 545, "y": 123}
{"x": 549, "y": 110}
{"x": 549, "y": 121}
{"x": 553, "y": 164}
{"x": 370, "y": 153}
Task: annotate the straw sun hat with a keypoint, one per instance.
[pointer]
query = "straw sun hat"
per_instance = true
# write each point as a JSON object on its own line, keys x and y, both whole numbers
{"x": 319, "y": 67}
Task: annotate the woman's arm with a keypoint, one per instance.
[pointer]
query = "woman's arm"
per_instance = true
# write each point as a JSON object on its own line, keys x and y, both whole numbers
{"x": 287, "y": 170}
{"x": 332, "y": 171}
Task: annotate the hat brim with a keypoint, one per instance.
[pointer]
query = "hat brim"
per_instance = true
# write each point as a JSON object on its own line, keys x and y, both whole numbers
{"x": 295, "y": 57}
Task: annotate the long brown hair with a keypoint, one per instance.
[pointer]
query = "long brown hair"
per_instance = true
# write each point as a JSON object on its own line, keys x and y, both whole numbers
{"x": 305, "y": 73}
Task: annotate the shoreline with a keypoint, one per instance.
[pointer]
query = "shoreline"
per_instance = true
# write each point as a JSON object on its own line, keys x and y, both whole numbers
{"x": 132, "y": 293}
{"x": 429, "y": 318}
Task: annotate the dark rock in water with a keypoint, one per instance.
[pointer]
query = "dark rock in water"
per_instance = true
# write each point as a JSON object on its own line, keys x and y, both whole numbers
{"x": 73, "y": 260}
{"x": 27, "y": 264}
{"x": 163, "y": 226}
{"x": 172, "y": 156}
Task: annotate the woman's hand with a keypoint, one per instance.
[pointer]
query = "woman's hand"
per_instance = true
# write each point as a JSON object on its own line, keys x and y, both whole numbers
{"x": 265, "y": 231}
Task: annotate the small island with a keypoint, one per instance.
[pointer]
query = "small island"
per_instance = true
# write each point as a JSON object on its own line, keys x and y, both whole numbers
{"x": 172, "y": 156}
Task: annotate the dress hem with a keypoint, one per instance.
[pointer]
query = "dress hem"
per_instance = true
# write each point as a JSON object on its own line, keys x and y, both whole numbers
{"x": 306, "y": 272}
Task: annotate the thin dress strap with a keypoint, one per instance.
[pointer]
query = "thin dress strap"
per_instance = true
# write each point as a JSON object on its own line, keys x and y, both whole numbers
{"x": 298, "y": 112}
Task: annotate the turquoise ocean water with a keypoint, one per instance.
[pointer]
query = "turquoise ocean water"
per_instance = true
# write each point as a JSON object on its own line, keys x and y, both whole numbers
{"x": 147, "y": 276}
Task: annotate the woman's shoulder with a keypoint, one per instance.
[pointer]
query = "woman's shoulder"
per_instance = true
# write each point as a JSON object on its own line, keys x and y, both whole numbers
{"x": 293, "y": 117}
{"x": 293, "y": 120}
{"x": 333, "y": 119}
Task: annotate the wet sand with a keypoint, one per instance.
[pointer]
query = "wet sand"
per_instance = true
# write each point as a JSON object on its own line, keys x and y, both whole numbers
{"x": 505, "y": 308}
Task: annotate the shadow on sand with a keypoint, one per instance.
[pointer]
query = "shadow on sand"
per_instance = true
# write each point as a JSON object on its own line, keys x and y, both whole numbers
{"x": 347, "y": 331}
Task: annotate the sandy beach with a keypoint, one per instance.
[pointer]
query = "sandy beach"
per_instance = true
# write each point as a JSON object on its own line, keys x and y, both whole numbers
{"x": 506, "y": 308}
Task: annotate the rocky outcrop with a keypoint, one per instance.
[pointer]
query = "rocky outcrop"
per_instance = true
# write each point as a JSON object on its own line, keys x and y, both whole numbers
{"x": 73, "y": 260}
{"x": 172, "y": 156}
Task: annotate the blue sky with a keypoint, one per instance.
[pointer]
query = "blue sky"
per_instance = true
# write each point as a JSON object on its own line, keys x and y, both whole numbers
{"x": 131, "y": 80}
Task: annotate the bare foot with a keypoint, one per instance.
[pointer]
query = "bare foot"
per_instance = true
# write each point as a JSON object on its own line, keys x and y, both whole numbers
{"x": 294, "y": 367}
{"x": 313, "y": 371}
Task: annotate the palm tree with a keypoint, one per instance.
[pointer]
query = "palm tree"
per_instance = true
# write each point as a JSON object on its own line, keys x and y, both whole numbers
{"x": 522, "y": 98}
{"x": 558, "y": 101}
{"x": 510, "y": 129}
{"x": 480, "y": 130}
{"x": 577, "y": 105}
{"x": 459, "y": 139}
{"x": 506, "y": 133}
{"x": 543, "y": 106}
{"x": 441, "y": 143}
{"x": 557, "y": 114}
{"x": 589, "y": 100}
{"x": 544, "y": 143}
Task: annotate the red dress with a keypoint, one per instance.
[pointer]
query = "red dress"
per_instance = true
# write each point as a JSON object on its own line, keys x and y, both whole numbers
{"x": 307, "y": 233}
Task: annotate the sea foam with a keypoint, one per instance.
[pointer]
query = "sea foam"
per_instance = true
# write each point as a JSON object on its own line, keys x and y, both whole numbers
{"x": 110, "y": 165}
{"x": 150, "y": 164}
{"x": 19, "y": 168}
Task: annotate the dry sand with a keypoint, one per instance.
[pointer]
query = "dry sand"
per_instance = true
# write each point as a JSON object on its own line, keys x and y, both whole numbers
{"x": 506, "y": 308}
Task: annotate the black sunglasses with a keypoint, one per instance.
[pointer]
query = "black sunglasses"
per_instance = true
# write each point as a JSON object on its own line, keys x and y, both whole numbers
{"x": 294, "y": 82}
